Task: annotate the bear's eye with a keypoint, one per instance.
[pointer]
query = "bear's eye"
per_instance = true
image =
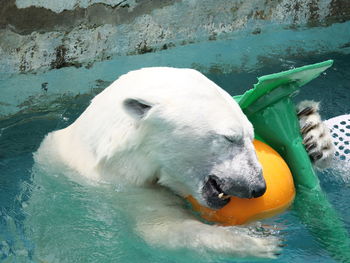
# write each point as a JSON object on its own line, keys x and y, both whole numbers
{"x": 230, "y": 138}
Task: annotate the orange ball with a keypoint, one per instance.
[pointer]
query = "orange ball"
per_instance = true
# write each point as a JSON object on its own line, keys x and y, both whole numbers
{"x": 279, "y": 193}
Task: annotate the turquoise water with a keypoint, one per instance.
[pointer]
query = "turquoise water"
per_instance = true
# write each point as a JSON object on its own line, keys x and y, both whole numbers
{"x": 46, "y": 217}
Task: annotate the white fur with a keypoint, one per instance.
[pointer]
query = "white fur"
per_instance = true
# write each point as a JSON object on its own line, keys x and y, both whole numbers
{"x": 178, "y": 143}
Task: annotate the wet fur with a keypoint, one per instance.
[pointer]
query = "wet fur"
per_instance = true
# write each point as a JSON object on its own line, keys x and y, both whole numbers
{"x": 95, "y": 148}
{"x": 161, "y": 129}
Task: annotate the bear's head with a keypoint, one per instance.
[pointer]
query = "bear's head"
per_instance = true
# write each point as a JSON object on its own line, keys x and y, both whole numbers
{"x": 179, "y": 129}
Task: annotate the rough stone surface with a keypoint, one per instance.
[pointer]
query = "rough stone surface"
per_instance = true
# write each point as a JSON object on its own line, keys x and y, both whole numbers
{"x": 38, "y": 35}
{"x": 59, "y": 6}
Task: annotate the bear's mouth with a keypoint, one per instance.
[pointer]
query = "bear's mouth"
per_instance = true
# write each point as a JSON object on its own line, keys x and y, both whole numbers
{"x": 215, "y": 197}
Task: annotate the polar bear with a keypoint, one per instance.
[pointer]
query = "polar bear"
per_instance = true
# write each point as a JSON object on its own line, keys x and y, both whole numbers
{"x": 176, "y": 132}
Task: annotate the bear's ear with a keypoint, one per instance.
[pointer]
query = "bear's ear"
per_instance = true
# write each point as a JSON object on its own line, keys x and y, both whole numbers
{"x": 136, "y": 107}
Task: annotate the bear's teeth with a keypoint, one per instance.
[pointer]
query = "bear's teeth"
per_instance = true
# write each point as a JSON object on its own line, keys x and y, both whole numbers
{"x": 222, "y": 196}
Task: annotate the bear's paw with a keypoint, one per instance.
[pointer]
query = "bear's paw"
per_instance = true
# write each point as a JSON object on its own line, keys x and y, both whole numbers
{"x": 316, "y": 135}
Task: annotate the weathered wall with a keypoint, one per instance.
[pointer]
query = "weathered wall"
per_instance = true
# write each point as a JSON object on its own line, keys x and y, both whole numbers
{"x": 46, "y": 34}
{"x": 52, "y": 50}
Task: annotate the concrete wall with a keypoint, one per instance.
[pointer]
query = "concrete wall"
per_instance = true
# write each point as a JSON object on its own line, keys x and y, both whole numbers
{"x": 37, "y": 35}
{"x": 52, "y": 50}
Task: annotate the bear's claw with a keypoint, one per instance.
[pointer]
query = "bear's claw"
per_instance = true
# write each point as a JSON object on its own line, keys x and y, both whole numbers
{"x": 306, "y": 111}
{"x": 316, "y": 136}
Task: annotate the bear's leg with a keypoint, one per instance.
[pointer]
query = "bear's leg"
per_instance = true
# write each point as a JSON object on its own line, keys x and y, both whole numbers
{"x": 316, "y": 135}
{"x": 169, "y": 225}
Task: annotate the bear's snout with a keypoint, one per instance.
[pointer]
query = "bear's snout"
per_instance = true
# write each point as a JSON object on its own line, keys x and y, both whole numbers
{"x": 245, "y": 187}
{"x": 217, "y": 191}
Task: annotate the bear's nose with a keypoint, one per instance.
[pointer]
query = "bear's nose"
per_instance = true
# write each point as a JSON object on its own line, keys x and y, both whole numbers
{"x": 246, "y": 191}
{"x": 244, "y": 188}
{"x": 258, "y": 190}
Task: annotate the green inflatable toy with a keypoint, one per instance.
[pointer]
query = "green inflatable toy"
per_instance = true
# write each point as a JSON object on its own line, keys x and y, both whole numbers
{"x": 270, "y": 109}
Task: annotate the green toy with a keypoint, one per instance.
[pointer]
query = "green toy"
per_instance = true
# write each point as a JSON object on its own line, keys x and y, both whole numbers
{"x": 270, "y": 109}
